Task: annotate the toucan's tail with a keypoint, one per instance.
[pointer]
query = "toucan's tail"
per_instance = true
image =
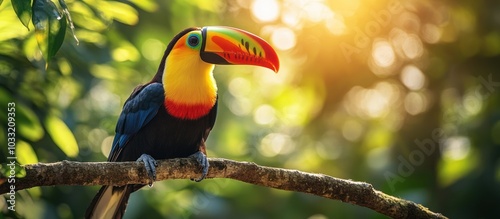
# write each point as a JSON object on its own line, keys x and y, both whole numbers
{"x": 109, "y": 203}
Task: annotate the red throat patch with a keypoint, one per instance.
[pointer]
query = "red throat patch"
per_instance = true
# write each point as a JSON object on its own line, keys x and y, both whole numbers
{"x": 187, "y": 111}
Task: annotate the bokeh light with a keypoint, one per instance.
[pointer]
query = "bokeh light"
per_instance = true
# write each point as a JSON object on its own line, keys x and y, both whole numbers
{"x": 456, "y": 147}
{"x": 430, "y": 33}
{"x": 352, "y": 130}
{"x": 412, "y": 46}
{"x": 152, "y": 49}
{"x": 373, "y": 102}
{"x": 265, "y": 10}
{"x": 415, "y": 103}
{"x": 383, "y": 54}
{"x": 316, "y": 11}
{"x": 283, "y": 38}
{"x": 106, "y": 145}
{"x": 275, "y": 144}
{"x": 265, "y": 115}
{"x": 378, "y": 158}
{"x": 412, "y": 77}
{"x": 335, "y": 24}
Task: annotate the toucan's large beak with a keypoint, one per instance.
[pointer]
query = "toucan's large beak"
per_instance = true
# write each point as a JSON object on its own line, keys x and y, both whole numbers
{"x": 231, "y": 46}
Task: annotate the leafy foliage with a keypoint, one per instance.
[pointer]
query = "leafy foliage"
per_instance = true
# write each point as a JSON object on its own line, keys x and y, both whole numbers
{"x": 23, "y": 11}
{"x": 50, "y": 27}
{"x": 403, "y": 95}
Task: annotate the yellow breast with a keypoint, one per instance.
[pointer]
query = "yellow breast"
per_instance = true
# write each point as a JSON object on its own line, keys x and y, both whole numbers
{"x": 189, "y": 85}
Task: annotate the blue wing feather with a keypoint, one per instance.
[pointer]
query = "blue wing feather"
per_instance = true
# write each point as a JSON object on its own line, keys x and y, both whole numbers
{"x": 137, "y": 111}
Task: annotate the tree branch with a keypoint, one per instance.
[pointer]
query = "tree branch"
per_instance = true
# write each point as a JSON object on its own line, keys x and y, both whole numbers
{"x": 122, "y": 173}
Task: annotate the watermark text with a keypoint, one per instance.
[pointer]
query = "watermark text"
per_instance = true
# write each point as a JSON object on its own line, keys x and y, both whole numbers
{"x": 11, "y": 157}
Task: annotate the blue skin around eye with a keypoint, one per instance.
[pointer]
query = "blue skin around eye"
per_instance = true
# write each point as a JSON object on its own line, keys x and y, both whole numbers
{"x": 193, "y": 35}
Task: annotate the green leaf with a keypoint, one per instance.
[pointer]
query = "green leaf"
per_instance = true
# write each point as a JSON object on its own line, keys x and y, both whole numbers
{"x": 1, "y": 2}
{"x": 23, "y": 11}
{"x": 146, "y": 5}
{"x": 25, "y": 153}
{"x": 7, "y": 170}
{"x": 68, "y": 19}
{"x": 50, "y": 27}
{"x": 29, "y": 125}
{"x": 119, "y": 11}
{"x": 62, "y": 136}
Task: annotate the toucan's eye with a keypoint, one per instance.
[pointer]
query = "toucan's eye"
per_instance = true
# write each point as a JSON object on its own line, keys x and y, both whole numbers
{"x": 193, "y": 40}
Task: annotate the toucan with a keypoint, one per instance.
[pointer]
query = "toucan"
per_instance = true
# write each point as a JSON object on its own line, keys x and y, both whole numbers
{"x": 172, "y": 115}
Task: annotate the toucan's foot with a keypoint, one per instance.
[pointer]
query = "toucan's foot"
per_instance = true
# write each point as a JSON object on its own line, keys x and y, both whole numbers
{"x": 150, "y": 164}
{"x": 203, "y": 161}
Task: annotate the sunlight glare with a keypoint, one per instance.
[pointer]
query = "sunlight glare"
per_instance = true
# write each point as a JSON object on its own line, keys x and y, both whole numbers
{"x": 335, "y": 24}
{"x": 265, "y": 10}
{"x": 290, "y": 18}
{"x": 317, "y": 11}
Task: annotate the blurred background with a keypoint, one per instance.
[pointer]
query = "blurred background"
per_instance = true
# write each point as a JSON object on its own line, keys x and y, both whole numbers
{"x": 404, "y": 95}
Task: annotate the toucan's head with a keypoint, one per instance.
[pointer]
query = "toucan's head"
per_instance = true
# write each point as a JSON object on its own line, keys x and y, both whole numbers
{"x": 188, "y": 62}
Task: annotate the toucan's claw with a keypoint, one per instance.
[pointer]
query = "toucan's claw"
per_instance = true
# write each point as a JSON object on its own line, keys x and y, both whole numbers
{"x": 203, "y": 161}
{"x": 150, "y": 164}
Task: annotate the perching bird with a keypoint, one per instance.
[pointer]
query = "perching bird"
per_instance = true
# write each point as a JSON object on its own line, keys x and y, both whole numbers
{"x": 172, "y": 115}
